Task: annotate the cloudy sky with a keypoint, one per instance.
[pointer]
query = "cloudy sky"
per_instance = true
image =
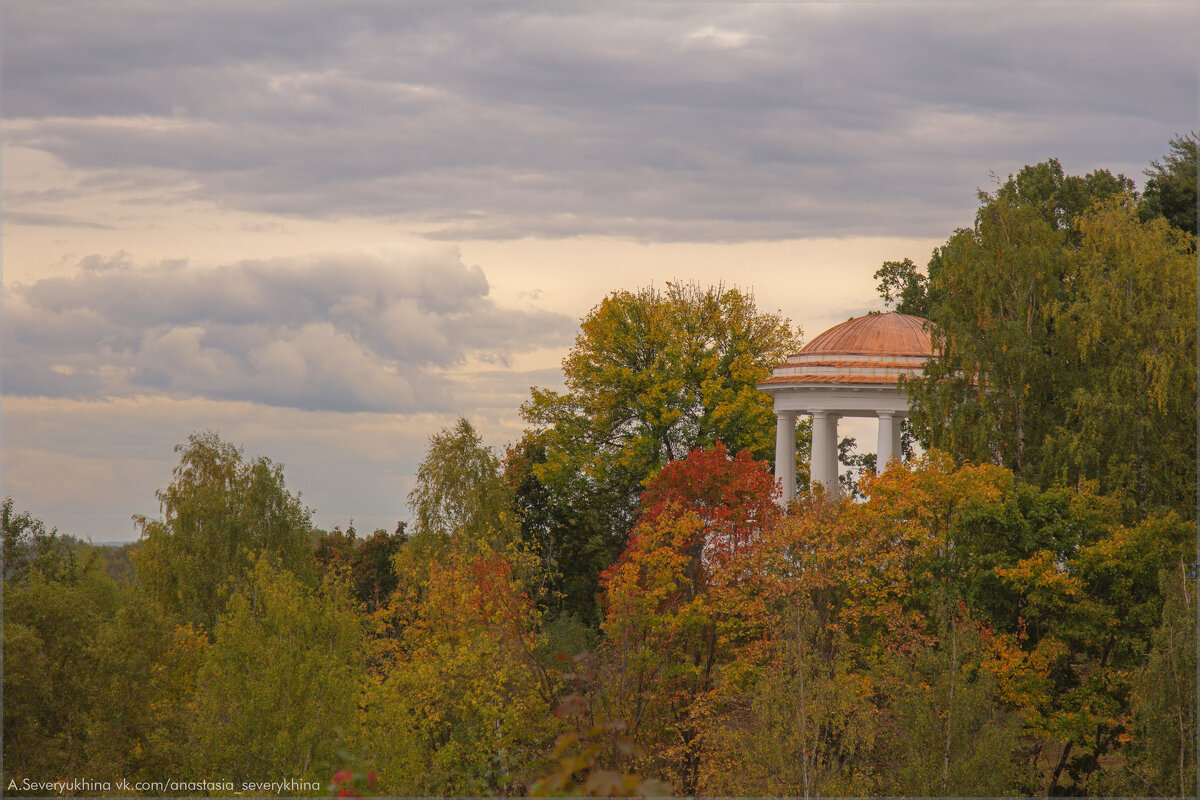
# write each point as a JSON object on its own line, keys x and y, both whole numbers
{"x": 327, "y": 229}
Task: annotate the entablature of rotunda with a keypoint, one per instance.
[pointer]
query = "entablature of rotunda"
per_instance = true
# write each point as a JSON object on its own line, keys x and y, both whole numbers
{"x": 845, "y": 401}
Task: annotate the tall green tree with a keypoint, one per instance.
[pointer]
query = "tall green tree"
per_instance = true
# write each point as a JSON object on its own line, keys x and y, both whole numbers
{"x": 218, "y": 514}
{"x": 994, "y": 391}
{"x": 1064, "y": 324}
{"x": 1128, "y": 326}
{"x": 280, "y": 680}
{"x": 461, "y": 488}
{"x": 1059, "y": 198}
{"x": 652, "y": 375}
{"x": 903, "y": 287}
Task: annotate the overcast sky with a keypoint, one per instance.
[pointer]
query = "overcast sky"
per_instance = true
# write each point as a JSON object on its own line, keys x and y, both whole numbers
{"x": 327, "y": 229}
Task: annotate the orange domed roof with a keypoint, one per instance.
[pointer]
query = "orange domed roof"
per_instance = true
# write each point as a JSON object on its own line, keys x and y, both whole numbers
{"x": 875, "y": 350}
{"x": 888, "y": 334}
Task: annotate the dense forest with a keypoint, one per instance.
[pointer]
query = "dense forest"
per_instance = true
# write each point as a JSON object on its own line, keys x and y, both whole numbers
{"x": 616, "y": 604}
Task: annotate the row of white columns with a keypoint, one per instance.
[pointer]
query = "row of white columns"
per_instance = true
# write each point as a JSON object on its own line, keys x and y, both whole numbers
{"x": 823, "y": 463}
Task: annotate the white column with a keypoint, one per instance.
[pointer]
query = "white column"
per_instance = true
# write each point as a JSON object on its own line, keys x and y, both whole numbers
{"x": 897, "y": 453}
{"x": 823, "y": 462}
{"x": 785, "y": 454}
{"x": 834, "y": 486}
{"x": 888, "y": 427}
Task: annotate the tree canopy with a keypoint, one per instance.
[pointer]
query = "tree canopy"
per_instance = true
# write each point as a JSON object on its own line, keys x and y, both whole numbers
{"x": 460, "y": 488}
{"x": 1065, "y": 325}
{"x": 219, "y": 513}
{"x": 652, "y": 375}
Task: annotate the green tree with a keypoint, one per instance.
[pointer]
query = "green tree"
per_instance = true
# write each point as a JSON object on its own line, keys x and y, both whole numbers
{"x": 1171, "y": 186}
{"x": 1162, "y": 750}
{"x": 993, "y": 392}
{"x": 218, "y": 514}
{"x": 1129, "y": 324}
{"x": 1059, "y": 198}
{"x": 143, "y": 671}
{"x": 461, "y": 489}
{"x": 903, "y": 287}
{"x": 1061, "y": 322}
{"x": 28, "y": 545}
{"x": 56, "y": 598}
{"x": 280, "y": 680}
{"x": 98, "y": 683}
{"x": 652, "y": 375}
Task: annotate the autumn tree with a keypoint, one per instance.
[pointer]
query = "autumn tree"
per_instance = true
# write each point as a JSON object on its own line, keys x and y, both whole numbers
{"x": 218, "y": 514}
{"x": 460, "y": 702}
{"x": 875, "y": 626}
{"x": 652, "y": 375}
{"x": 805, "y": 723}
{"x": 368, "y": 562}
{"x": 1087, "y": 620}
{"x": 1065, "y": 595}
{"x": 953, "y": 609}
{"x": 673, "y": 614}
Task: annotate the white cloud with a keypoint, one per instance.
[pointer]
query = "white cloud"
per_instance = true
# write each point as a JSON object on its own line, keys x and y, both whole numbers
{"x": 372, "y": 330}
{"x": 712, "y": 36}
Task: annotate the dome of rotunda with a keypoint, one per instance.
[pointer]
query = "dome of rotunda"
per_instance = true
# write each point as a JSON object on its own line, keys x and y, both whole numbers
{"x": 872, "y": 349}
{"x": 889, "y": 334}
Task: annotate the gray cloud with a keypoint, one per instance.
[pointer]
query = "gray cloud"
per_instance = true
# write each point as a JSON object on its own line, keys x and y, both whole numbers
{"x": 668, "y": 122}
{"x": 52, "y": 220}
{"x": 382, "y": 331}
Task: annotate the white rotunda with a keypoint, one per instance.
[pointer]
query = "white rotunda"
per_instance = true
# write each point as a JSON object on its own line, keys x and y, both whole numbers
{"x": 851, "y": 370}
